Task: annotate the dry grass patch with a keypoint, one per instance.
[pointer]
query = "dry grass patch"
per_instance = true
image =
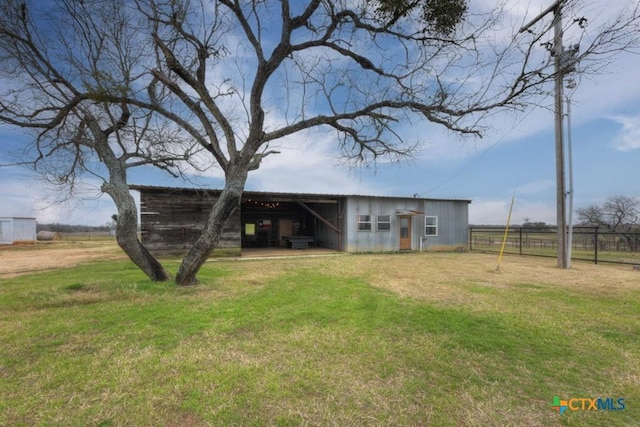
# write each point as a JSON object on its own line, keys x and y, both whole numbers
{"x": 19, "y": 260}
{"x": 442, "y": 278}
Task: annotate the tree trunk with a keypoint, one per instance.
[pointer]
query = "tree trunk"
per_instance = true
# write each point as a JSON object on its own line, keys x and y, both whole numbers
{"x": 223, "y": 208}
{"x": 118, "y": 189}
{"x": 127, "y": 233}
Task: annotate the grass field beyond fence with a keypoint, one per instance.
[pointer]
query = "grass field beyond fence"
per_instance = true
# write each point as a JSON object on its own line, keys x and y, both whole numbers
{"x": 588, "y": 243}
{"x": 416, "y": 339}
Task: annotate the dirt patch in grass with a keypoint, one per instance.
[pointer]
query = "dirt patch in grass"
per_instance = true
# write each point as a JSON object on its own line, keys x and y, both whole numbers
{"x": 18, "y": 260}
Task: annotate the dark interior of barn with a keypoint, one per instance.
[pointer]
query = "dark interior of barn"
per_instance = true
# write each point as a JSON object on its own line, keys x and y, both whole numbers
{"x": 268, "y": 222}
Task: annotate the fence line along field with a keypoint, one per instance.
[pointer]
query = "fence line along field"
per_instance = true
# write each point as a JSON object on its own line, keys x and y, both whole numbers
{"x": 588, "y": 243}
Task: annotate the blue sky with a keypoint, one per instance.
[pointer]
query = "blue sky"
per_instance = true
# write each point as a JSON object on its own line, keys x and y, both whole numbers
{"x": 517, "y": 155}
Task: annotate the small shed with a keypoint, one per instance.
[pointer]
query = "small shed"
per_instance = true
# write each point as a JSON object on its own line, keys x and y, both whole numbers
{"x": 15, "y": 231}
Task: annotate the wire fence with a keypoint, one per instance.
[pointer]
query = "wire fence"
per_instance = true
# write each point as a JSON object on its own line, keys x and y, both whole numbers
{"x": 588, "y": 243}
{"x": 88, "y": 235}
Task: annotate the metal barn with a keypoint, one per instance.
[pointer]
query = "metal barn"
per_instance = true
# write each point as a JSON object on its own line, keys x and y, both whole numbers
{"x": 173, "y": 217}
{"x": 14, "y": 231}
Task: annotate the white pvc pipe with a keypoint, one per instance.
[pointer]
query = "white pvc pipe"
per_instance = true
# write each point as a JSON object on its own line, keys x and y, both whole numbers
{"x": 570, "y": 170}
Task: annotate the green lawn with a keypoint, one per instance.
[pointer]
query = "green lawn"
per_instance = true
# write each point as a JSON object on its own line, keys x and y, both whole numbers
{"x": 415, "y": 339}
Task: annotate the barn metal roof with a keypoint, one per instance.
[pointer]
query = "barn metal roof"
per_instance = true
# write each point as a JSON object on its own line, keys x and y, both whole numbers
{"x": 287, "y": 195}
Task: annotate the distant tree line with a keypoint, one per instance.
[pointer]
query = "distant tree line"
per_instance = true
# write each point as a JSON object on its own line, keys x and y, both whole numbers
{"x": 68, "y": 228}
{"x": 534, "y": 226}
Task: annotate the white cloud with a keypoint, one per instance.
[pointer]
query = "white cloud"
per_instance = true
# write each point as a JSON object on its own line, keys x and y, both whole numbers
{"x": 86, "y": 212}
{"x": 21, "y": 195}
{"x": 14, "y": 203}
{"x": 496, "y": 211}
{"x": 308, "y": 162}
{"x": 536, "y": 187}
{"x": 628, "y": 138}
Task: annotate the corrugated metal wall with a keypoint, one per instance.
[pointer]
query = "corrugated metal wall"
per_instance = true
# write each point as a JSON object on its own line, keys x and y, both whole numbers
{"x": 17, "y": 230}
{"x": 453, "y": 223}
{"x": 6, "y": 231}
{"x": 376, "y": 240}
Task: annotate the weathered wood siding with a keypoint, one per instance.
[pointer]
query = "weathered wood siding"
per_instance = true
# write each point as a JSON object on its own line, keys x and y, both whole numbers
{"x": 171, "y": 221}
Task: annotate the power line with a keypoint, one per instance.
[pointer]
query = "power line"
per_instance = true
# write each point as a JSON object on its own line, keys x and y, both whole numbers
{"x": 468, "y": 165}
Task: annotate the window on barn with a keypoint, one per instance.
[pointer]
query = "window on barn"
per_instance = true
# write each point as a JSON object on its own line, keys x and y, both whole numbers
{"x": 364, "y": 222}
{"x": 431, "y": 226}
{"x": 384, "y": 222}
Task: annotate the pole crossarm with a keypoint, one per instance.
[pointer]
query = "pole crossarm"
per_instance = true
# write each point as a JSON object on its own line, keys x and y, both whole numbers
{"x": 542, "y": 14}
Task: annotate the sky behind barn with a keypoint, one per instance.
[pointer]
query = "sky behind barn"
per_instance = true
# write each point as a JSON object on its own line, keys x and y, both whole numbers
{"x": 517, "y": 155}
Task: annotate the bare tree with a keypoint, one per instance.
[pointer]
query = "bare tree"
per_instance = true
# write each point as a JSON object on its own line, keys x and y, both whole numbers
{"x": 253, "y": 72}
{"x": 58, "y": 66}
{"x": 618, "y": 214}
{"x": 622, "y": 212}
{"x": 593, "y": 215}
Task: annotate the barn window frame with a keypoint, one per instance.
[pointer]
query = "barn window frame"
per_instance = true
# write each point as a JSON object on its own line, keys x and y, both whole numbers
{"x": 431, "y": 226}
{"x": 383, "y": 223}
{"x": 364, "y": 223}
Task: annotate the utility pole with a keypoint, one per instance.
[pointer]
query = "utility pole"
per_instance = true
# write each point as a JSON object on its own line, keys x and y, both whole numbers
{"x": 556, "y": 8}
{"x": 559, "y": 116}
